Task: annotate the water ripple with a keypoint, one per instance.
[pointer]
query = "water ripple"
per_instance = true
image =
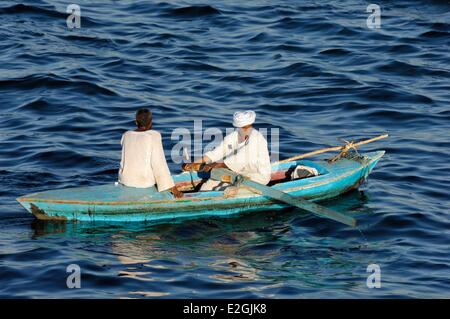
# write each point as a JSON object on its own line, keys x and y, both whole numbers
{"x": 313, "y": 70}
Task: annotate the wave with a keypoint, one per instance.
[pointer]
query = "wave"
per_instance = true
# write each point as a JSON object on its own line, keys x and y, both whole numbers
{"x": 40, "y": 106}
{"x": 98, "y": 41}
{"x": 402, "y": 49}
{"x": 51, "y": 81}
{"x": 193, "y": 12}
{"x": 23, "y": 8}
{"x": 405, "y": 69}
{"x": 290, "y": 47}
{"x": 62, "y": 158}
{"x": 302, "y": 68}
{"x": 436, "y": 34}
{"x": 337, "y": 52}
{"x": 197, "y": 66}
{"x": 49, "y": 12}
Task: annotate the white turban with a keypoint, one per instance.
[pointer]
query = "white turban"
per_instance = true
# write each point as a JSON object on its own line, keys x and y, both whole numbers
{"x": 241, "y": 119}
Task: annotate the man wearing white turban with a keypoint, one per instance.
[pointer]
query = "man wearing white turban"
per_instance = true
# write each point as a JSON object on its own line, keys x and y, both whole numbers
{"x": 243, "y": 151}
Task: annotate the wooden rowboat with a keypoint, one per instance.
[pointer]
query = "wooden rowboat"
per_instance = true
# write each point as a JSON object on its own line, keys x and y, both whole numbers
{"x": 117, "y": 203}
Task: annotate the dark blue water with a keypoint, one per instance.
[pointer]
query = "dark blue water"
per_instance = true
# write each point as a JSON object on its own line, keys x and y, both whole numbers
{"x": 310, "y": 68}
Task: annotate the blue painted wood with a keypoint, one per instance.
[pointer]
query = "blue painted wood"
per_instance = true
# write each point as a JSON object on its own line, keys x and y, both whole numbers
{"x": 112, "y": 203}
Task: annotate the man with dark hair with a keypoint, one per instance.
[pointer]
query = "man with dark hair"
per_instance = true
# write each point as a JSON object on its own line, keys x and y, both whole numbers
{"x": 143, "y": 118}
{"x": 143, "y": 163}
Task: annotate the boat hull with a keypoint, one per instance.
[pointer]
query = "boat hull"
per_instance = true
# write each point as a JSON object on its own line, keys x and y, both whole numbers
{"x": 110, "y": 203}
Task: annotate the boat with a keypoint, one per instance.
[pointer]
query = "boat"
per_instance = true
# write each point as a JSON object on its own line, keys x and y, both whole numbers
{"x": 117, "y": 203}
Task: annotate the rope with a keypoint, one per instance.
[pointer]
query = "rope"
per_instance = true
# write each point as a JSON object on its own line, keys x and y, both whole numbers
{"x": 344, "y": 151}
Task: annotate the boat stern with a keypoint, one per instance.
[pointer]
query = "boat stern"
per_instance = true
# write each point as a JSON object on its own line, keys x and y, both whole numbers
{"x": 34, "y": 209}
{"x": 25, "y": 204}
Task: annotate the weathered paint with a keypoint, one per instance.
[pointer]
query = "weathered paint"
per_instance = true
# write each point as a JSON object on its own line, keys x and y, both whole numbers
{"x": 123, "y": 204}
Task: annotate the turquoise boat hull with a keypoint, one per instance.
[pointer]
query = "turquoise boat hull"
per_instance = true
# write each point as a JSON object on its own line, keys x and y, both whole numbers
{"x": 117, "y": 203}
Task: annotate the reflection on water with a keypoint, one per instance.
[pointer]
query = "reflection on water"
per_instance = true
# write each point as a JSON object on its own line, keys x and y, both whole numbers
{"x": 234, "y": 269}
{"x": 255, "y": 253}
{"x": 149, "y": 293}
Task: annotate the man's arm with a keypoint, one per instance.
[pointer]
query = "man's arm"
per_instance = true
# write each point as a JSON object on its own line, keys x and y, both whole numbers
{"x": 160, "y": 169}
{"x": 211, "y": 158}
{"x": 174, "y": 190}
{"x": 263, "y": 163}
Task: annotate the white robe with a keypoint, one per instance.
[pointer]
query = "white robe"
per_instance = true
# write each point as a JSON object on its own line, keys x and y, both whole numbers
{"x": 143, "y": 163}
{"x": 249, "y": 159}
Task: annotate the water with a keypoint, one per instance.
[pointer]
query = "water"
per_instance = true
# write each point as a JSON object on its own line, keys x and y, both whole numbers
{"x": 312, "y": 69}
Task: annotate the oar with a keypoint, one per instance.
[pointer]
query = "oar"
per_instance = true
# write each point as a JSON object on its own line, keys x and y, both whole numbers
{"x": 335, "y": 148}
{"x": 227, "y": 176}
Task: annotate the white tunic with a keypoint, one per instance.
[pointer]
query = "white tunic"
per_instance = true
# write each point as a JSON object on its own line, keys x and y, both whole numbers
{"x": 143, "y": 163}
{"x": 250, "y": 159}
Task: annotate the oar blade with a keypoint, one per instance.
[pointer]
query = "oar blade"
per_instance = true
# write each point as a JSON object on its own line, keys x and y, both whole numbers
{"x": 314, "y": 208}
{"x": 327, "y": 213}
{"x": 225, "y": 175}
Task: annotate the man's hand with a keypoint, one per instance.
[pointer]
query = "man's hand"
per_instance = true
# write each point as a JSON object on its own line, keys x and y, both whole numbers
{"x": 216, "y": 165}
{"x": 174, "y": 190}
{"x": 196, "y": 167}
{"x": 191, "y": 166}
{"x": 201, "y": 166}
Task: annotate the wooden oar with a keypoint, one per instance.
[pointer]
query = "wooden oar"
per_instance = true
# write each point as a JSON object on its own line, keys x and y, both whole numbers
{"x": 227, "y": 176}
{"x": 335, "y": 148}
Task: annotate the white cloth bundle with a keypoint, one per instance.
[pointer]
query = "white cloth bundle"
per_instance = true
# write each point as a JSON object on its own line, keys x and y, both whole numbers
{"x": 302, "y": 171}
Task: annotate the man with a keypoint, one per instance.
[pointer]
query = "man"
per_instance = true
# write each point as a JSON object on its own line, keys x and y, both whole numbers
{"x": 243, "y": 151}
{"x": 143, "y": 163}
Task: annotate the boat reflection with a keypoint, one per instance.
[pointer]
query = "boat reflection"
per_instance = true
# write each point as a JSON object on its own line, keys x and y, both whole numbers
{"x": 226, "y": 250}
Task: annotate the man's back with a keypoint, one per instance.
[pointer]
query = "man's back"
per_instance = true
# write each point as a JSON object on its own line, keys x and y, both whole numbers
{"x": 143, "y": 163}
